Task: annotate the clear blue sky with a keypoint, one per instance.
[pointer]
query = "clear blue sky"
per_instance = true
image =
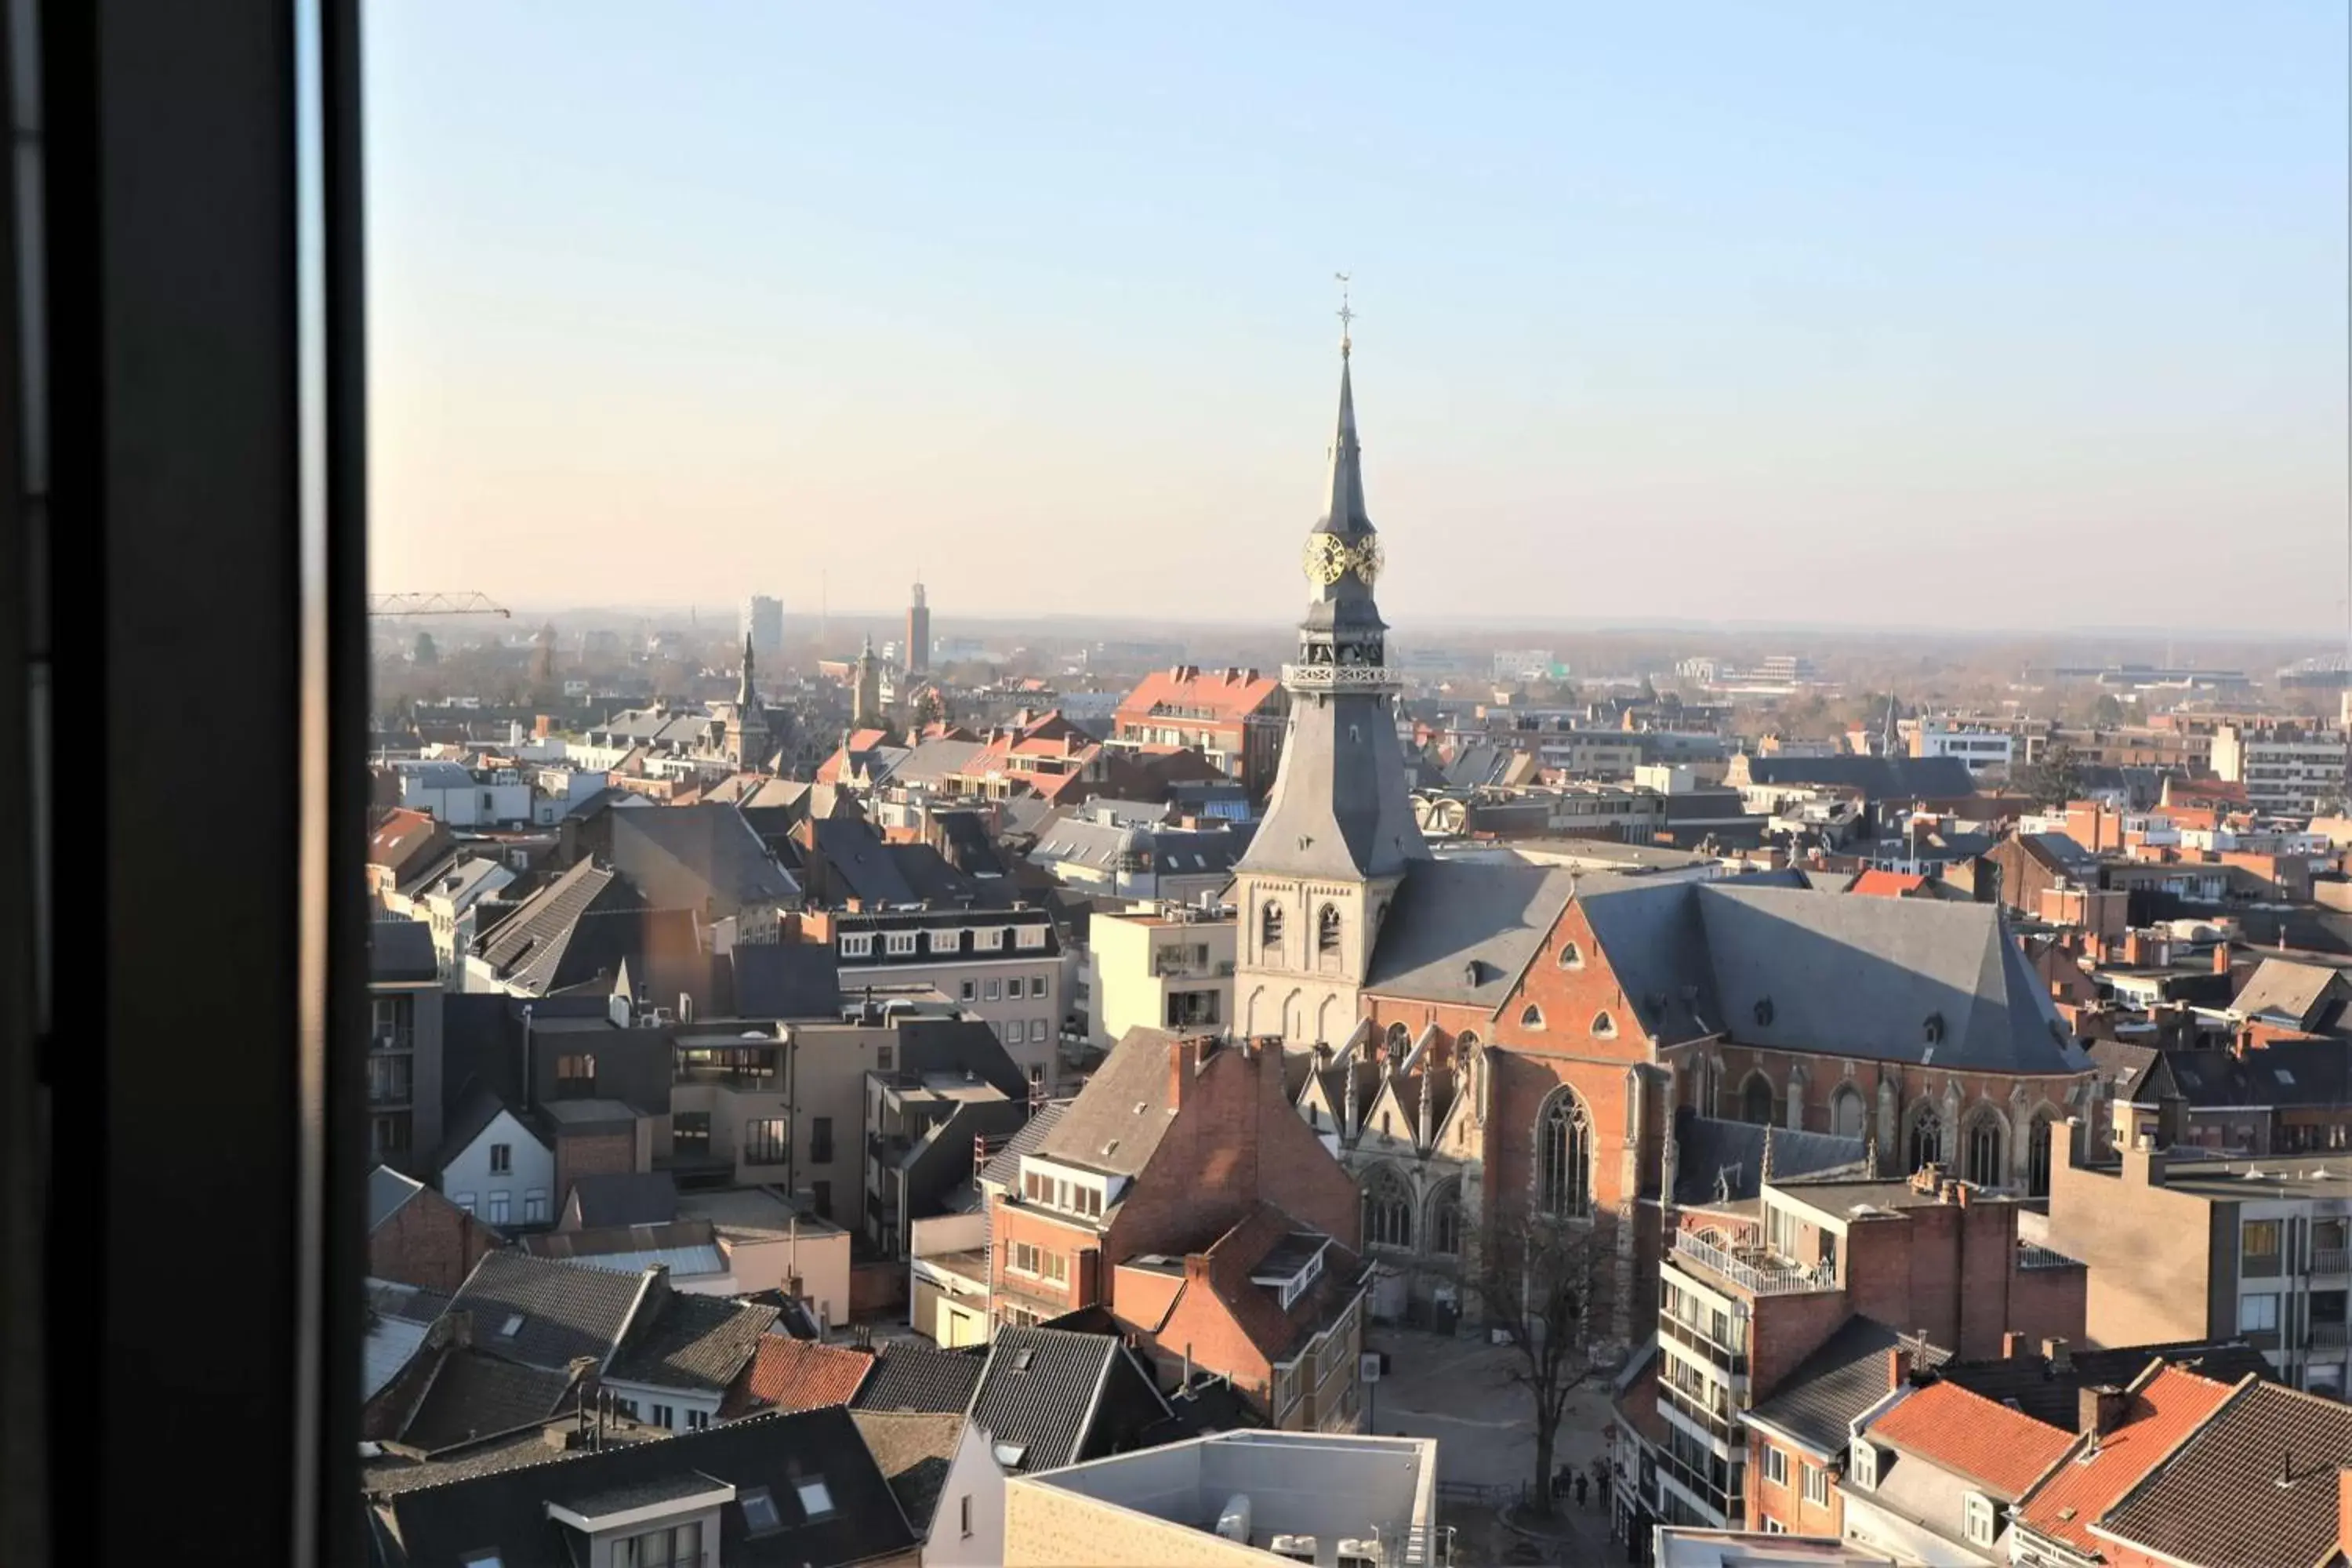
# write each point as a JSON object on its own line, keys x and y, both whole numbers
{"x": 1846, "y": 312}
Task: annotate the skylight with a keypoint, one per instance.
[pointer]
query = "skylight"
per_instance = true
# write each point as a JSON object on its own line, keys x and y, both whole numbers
{"x": 816, "y": 1500}
{"x": 512, "y": 1326}
{"x": 2284, "y": 1075}
{"x": 759, "y": 1510}
{"x": 1010, "y": 1455}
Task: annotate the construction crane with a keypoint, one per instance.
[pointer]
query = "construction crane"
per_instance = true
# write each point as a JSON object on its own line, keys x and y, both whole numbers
{"x": 436, "y": 605}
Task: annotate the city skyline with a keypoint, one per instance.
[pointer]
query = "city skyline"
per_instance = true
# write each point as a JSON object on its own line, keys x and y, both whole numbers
{"x": 1790, "y": 328}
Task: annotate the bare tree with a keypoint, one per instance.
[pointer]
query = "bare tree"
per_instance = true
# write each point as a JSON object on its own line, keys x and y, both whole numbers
{"x": 1543, "y": 1283}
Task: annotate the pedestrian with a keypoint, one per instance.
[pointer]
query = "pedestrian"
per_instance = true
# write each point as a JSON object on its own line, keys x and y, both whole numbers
{"x": 1583, "y": 1485}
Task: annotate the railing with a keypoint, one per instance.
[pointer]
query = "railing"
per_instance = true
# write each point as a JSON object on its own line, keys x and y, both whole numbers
{"x": 1328, "y": 676}
{"x": 2331, "y": 1260}
{"x": 2030, "y": 1255}
{"x": 1417, "y": 1545}
{"x": 2328, "y": 1337}
{"x": 1777, "y": 1277}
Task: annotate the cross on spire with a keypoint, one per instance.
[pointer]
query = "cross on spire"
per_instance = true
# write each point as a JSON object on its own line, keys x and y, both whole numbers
{"x": 1346, "y": 314}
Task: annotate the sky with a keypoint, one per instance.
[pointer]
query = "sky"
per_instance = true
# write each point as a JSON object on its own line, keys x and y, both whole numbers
{"x": 2005, "y": 314}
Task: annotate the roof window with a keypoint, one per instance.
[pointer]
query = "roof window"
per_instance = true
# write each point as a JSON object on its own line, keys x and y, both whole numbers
{"x": 759, "y": 1510}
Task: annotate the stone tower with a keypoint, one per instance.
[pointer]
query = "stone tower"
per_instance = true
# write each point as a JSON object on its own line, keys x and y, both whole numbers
{"x": 1338, "y": 835}
{"x": 748, "y": 741}
{"x": 866, "y": 711}
{"x": 918, "y": 633}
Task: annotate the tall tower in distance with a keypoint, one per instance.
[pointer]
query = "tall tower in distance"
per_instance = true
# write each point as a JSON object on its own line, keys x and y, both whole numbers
{"x": 866, "y": 696}
{"x": 763, "y": 623}
{"x": 1338, "y": 837}
{"x": 918, "y": 633}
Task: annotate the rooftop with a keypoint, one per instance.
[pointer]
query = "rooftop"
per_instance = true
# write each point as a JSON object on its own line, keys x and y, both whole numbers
{"x": 1678, "y": 1547}
{"x": 1296, "y": 1484}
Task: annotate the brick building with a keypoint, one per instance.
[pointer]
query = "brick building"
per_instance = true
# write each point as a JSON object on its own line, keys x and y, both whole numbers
{"x": 1232, "y": 717}
{"x": 416, "y": 1236}
{"x": 1181, "y": 1193}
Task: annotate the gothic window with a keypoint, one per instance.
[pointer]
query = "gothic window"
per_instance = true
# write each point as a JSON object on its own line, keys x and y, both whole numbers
{"x": 1327, "y": 930}
{"x": 1564, "y": 1157}
{"x": 1927, "y": 1140}
{"x": 1604, "y": 1027}
{"x": 1571, "y": 956}
{"x": 2037, "y": 1153}
{"x": 1755, "y": 1100}
{"x": 1444, "y": 1231}
{"x": 1982, "y": 1150}
{"x": 1269, "y": 928}
{"x": 1387, "y": 1209}
{"x": 1846, "y": 1112}
{"x": 1400, "y": 1040}
{"x": 1532, "y": 1017}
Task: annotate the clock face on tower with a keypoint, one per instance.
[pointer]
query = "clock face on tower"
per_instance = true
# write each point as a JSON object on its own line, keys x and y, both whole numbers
{"x": 1326, "y": 559}
{"x": 1368, "y": 560}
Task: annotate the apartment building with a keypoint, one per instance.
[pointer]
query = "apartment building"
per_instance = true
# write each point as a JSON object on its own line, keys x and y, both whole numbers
{"x": 404, "y": 1046}
{"x": 1160, "y": 966}
{"x": 1989, "y": 753}
{"x": 1003, "y": 966}
{"x": 2290, "y": 770}
{"x": 2182, "y": 1245}
{"x": 1235, "y": 1498}
{"x": 1744, "y": 1299}
{"x": 1232, "y": 717}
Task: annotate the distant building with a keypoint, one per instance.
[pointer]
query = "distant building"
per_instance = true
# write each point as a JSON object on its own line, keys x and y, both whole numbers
{"x": 763, "y": 623}
{"x": 1523, "y": 664}
{"x": 1233, "y": 717}
{"x": 2290, "y": 770}
{"x": 918, "y": 633}
{"x": 1987, "y": 751}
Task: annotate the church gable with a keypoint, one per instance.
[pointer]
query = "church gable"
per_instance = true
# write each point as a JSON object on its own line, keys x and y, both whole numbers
{"x": 1568, "y": 998}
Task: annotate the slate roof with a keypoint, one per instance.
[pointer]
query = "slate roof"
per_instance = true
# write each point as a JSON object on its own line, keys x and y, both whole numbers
{"x": 1040, "y": 1391}
{"x": 1115, "y": 1123}
{"x": 661, "y": 948}
{"x": 507, "y": 1512}
{"x": 397, "y": 1317}
{"x": 2218, "y": 1497}
{"x": 2164, "y": 1409}
{"x": 1711, "y": 1155}
{"x": 401, "y": 953}
{"x": 786, "y": 1373}
{"x": 913, "y": 1453}
{"x": 858, "y": 865}
{"x": 1968, "y": 1434}
{"x": 2287, "y": 1073}
{"x": 565, "y": 1312}
{"x": 388, "y": 1190}
{"x": 2301, "y": 992}
{"x": 544, "y": 921}
{"x": 909, "y": 1376}
{"x": 2060, "y": 852}
{"x": 1004, "y": 1167}
{"x": 626, "y": 1198}
{"x": 1451, "y": 915}
{"x": 1816, "y": 1403}
{"x": 1878, "y": 778}
{"x": 474, "y": 1394}
{"x": 697, "y": 857}
{"x": 698, "y": 1342}
{"x": 478, "y": 1106}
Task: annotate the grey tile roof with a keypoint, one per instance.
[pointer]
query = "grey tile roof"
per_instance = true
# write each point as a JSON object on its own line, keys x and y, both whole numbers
{"x": 916, "y": 1377}
{"x": 388, "y": 1190}
{"x": 401, "y": 951}
{"x": 2036, "y": 1387}
{"x": 1117, "y": 1121}
{"x": 858, "y": 865}
{"x": 473, "y": 1395}
{"x": 1879, "y": 778}
{"x": 2219, "y": 1497}
{"x": 545, "y": 919}
{"x": 477, "y": 1106}
{"x": 913, "y": 1452}
{"x": 697, "y": 857}
{"x": 1040, "y": 1391}
{"x": 693, "y": 1342}
{"x": 565, "y": 1311}
{"x": 507, "y": 1512}
{"x": 1451, "y": 915}
{"x": 1837, "y": 1383}
{"x": 626, "y": 1198}
{"x": 1004, "y": 1167}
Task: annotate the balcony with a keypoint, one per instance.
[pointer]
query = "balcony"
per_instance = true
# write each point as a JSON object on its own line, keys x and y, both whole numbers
{"x": 2328, "y": 1337}
{"x": 2029, "y": 1256}
{"x": 1730, "y": 1360}
{"x": 2331, "y": 1260}
{"x": 1756, "y": 1270}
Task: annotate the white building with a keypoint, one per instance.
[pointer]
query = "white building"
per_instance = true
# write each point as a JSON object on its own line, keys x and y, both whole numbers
{"x": 763, "y": 623}
{"x": 2288, "y": 768}
{"x": 495, "y": 1167}
{"x": 1987, "y": 752}
{"x": 462, "y": 797}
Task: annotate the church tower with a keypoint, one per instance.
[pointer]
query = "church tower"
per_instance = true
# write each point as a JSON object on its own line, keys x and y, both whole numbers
{"x": 866, "y": 711}
{"x": 748, "y": 741}
{"x": 918, "y": 633}
{"x": 1338, "y": 835}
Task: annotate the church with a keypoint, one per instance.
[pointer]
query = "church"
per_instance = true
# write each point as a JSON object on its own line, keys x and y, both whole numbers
{"x": 1502, "y": 1040}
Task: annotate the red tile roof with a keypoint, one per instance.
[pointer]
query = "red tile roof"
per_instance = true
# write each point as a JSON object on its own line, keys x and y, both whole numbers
{"x": 1886, "y": 884}
{"x": 1223, "y": 696}
{"x": 2165, "y": 1409}
{"x": 1947, "y": 1425}
{"x": 2256, "y": 1483}
{"x": 786, "y": 1373}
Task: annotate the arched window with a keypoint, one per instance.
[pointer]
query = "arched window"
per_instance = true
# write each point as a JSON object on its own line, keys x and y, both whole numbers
{"x": 1444, "y": 1230}
{"x": 1846, "y": 1112}
{"x": 1564, "y": 1157}
{"x": 1387, "y": 1209}
{"x": 1269, "y": 928}
{"x": 1400, "y": 1040}
{"x": 1981, "y": 1150}
{"x": 1327, "y": 934}
{"x": 2037, "y": 1153}
{"x": 1756, "y": 1099}
{"x": 1571, "y": 956}
{"x": 1604, "y": 1027}
{"x": 1531, "y": 1018}
{"x": 1926, "y": 1142}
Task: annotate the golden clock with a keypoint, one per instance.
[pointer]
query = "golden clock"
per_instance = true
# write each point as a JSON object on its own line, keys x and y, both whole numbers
{"x": 1367, "y": 559}
{"x": 1328, "y": 558}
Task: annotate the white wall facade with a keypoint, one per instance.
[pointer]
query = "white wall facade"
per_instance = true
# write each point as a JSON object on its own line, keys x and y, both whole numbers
{"x": 522, "y": 1194}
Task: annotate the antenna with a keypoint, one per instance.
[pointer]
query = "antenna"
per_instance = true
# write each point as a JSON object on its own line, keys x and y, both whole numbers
{"x": 1348, "y": 315}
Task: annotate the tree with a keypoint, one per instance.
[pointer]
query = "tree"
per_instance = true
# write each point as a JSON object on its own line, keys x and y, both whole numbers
{"x": 1542, "y": 1282}
{"x": 427, "y": 651}
{"x": 2053, "y": 781}
{"x": 2107, "y": 710}
{"x": 928, "y": 709}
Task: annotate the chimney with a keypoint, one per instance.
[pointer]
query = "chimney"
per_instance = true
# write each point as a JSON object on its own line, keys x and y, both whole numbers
{"x": 2344, "y": 1508}
{"x": 1176, "y": 1071}
{"x": 1899, "y": 1367}
{"x": 2012, "y": 1345}
{"x": 2100, "y": 1410}
{"x": 2059, "y": 1354}
{"x": 2221, "y": 957}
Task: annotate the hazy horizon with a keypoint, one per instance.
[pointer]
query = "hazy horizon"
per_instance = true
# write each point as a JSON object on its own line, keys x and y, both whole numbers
{"x": 2019, "y": 317}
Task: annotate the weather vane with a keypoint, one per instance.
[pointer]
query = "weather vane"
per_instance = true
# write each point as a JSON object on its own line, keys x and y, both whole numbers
{"x": 1346, "y": 315}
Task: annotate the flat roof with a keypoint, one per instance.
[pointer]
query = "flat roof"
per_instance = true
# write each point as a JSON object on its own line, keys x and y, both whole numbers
{"x": 2284, "y": 1177}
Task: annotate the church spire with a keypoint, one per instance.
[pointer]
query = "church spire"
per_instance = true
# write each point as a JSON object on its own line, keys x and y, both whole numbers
{"x": 1343, "y": 511}
{"x": 744, "y": 694}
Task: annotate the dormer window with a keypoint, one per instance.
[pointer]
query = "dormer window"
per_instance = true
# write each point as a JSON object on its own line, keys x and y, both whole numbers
{"x": 899, "y": 943}
{"x": 1980, "y": 1519}
{"x": 945, "y": 940}
{"x": 1604, "y": 1027}
{"x": 857, "y": 945}
{"x": 1531, "y": 1018}
{"x": 1864, "y": 1466}
{"x": 1570, "y": 955}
